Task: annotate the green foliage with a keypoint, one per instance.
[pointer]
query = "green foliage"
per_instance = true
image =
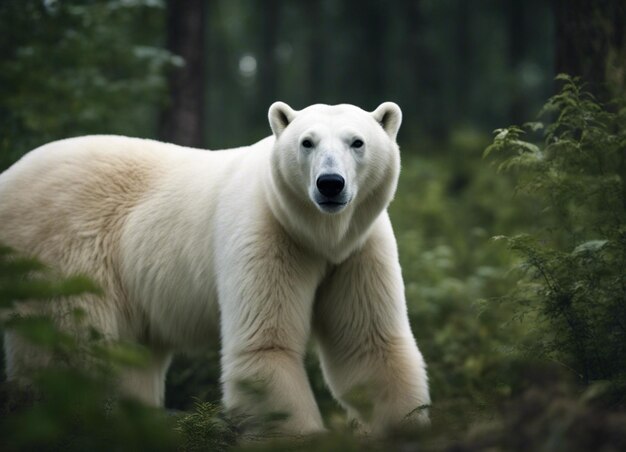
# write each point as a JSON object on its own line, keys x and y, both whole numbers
{"x": 550, "y": 418}
{"x": 71, "y": 404}
{"x": 206, "y": 429}
{"x": 446, "y": 208}
{"x": 13, "y": 287}
{"x": 194, "y": 377}
{"x": 72, "y": 67}
{"x": 76, "y": 412}
{"x": 574, "y": 256}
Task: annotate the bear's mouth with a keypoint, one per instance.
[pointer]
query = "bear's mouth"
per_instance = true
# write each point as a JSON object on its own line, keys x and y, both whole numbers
{"x": 332, "y": 203}
{"x": 331, "y": 206}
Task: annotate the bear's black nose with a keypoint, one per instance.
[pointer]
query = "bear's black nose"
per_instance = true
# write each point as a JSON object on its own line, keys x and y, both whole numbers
{"x": 330, "y": 185}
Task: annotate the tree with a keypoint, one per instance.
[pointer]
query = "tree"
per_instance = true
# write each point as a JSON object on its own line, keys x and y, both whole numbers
{"x": 268, "y": 73}
{"x": 517, "y": 52}
{"x": 316, "y": 45}
{"x": 591, "y": 42}
{"x": 574, "y": 262}
{"x": 183, "y": 120}
{"x": 75, "y": 68}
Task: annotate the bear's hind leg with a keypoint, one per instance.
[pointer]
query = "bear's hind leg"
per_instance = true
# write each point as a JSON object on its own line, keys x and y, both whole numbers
{"x": 147, "y": 382}
{"x": 22, "y": 357}
{"x": 76, "y": 316}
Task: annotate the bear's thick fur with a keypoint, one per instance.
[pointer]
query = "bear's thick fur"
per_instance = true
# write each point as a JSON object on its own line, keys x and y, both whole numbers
{"x": 269, "y": 244}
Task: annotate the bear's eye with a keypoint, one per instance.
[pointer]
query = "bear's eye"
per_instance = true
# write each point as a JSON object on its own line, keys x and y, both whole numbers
{"x": 307, "y": 144}
{"x": 357, "y": 143}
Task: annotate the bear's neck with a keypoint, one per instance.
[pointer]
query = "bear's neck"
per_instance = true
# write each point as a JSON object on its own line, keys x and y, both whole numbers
{"x": 335, "y": 237}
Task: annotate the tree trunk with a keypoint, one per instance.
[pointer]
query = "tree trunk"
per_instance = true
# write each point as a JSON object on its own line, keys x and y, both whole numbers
{"x": 416, "y": 60}
{"x": 317, "y": 39}
{"x": 266, "y": 63}
{"x": 587, "y": 33}
{"x": 517, "y": 52}
{"x": 463, "y": 55}
{"x": 183, "y": 120}
{"x": 374, "y": 50}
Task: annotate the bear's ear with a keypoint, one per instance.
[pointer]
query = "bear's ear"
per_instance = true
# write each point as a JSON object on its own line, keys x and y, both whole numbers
{"x": 280, "y": 115}
{"x": 389, "y": 116}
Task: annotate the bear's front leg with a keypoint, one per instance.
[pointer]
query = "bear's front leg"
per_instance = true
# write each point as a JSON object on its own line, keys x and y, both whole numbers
{"x": 266, "y": 288}
{"x": 368, "y": 354}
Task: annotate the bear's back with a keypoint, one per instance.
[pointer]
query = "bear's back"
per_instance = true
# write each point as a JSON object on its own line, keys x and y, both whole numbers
{"x": 66, "y": 201}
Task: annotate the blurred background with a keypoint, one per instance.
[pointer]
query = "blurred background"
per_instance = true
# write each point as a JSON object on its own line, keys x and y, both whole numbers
{"x": 203, "y": 73}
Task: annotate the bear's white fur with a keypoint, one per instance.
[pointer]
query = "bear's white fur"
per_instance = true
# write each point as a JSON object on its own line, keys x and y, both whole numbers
{"x": 185, "y": 242}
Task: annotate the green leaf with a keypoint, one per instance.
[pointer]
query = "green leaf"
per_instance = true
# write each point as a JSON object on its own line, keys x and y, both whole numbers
{"x": 40, "y": 330}
{"x": 591, "y": 246}
{"x": 124, "y": 354}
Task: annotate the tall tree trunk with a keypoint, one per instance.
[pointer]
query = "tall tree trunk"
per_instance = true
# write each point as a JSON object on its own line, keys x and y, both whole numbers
{"x": 463, "y": 56}
{"x": 266, "y": 63}
{"x": 317, "y": 38}
{"x": 183, "y": 120}
{"x": 587, "y": 33}
{"x": 374, "y": 50}
{"x": 416, "y": 59}
{"x": 423, "y": 88}
{"x": 517, "y": 51}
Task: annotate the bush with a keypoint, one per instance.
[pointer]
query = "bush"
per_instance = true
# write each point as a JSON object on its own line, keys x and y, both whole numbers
{"x": 69, "y": 406}
{"x": 574, "y": 256}
{"x": 72, "y": 67}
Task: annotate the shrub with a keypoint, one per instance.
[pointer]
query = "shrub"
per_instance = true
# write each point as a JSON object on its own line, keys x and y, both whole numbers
{"x": 574, "y": 256}
{"x": 69, "y": 407}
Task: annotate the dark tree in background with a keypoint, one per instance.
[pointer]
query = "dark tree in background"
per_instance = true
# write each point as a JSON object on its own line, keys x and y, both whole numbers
{"x": 517, "y": 52}
{"x": 591, "y": 41}
{"x": 182, "y": 121}
{"x": 269, "y": 13}
{"x": 439, "y": 61}
{"x": 464, "y": 56}
{"x": 317, "y": 39}
{"x": 415, "y": 54}
{"x": 373, "y": 51}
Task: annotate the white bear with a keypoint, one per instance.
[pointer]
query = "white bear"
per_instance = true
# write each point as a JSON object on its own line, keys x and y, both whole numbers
{"x": 270, "y": 244}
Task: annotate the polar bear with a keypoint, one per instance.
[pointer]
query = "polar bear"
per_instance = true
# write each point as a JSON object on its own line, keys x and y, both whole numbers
{"x": 268, "y": 244}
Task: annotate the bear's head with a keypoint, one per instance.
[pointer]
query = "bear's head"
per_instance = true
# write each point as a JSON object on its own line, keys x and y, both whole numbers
{"x": 335, "y": 157}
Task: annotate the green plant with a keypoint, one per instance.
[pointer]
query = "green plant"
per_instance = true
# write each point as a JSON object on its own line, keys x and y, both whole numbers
{"x": 73, "y": 67}
{"x": 206, "y": 429}
{"x": 574, "y": 255}
{"x": 68, "y": 406}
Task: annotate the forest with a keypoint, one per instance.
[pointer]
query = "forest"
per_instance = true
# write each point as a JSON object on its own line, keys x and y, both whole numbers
{"x": 510, "y": 214}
